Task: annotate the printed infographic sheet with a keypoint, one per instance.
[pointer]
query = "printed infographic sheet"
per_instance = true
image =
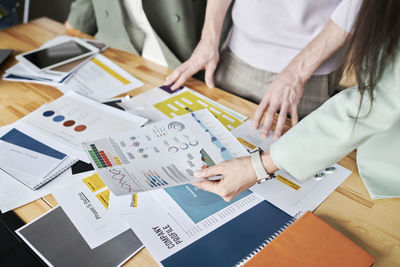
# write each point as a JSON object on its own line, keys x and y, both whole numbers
{"x": 160, "y": 103}
{"x": 100, "y": 79}
{"x": 73, "y": 118}
{"x": 163, "y": 154}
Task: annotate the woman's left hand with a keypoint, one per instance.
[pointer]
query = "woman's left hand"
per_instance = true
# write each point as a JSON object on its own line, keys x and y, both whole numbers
{"x": 238, "y": 175}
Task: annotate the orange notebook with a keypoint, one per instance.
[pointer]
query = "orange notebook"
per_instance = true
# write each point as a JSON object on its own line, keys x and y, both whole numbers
{"x": 309, "y": 241}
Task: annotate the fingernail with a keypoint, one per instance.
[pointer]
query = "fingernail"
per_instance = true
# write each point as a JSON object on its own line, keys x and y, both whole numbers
{"x": 197, "y": 173}
{"x": 276, "y": 136}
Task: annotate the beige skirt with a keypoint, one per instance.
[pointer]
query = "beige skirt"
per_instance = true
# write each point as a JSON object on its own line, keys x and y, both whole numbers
{"x": 237, "y": 77}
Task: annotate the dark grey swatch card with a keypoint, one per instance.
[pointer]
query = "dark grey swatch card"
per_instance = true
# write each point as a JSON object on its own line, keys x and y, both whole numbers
{"x": 56, "y": 240}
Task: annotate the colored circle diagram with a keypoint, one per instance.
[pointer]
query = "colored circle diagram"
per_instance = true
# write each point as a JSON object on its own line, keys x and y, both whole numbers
{"x": 48, "y": 113}
{"x": 176, "y": 125}
{"x": 67, "y": 123}
{"x": 173, "y": 149}
{"x": 58, "y": 118}
{"x": 80, "y": 128}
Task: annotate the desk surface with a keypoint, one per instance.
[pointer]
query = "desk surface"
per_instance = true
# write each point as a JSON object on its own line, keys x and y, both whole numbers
{"x": 374, "y": 225}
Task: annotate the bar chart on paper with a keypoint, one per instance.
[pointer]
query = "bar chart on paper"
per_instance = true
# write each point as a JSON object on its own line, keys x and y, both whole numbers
{"x": 187, "y": 102}
{"x": 153, "y": 179}
{"x": 103, "y": 155}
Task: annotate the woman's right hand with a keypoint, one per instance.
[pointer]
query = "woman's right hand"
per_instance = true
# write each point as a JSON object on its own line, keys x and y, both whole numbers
{"x": 204, "y": 57}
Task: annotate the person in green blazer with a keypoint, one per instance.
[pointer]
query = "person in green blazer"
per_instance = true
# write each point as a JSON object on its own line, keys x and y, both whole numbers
{"x": 175, "y": 24}
{"x": 365, "y": 117}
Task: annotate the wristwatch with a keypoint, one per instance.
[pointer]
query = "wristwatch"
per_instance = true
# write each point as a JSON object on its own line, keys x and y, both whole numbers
{"x": 262, "y": 174}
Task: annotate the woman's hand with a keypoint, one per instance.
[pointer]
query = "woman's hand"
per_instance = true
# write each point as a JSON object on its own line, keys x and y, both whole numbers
{"x": 204, "y": 57}
{"x": 238, "y": 176}
{"x": 284, "y": 94}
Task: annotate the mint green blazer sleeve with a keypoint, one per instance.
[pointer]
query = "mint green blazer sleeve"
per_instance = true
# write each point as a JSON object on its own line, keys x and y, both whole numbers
{"x": 82, "y": 16}
{"x": 330, "y": 133}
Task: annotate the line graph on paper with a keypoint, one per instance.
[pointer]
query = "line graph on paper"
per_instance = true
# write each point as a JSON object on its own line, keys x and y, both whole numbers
{"x": 121, "y": 178}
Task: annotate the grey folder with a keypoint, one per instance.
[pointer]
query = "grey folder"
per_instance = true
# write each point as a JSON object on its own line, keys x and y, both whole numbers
{"x": 59, "y": 242}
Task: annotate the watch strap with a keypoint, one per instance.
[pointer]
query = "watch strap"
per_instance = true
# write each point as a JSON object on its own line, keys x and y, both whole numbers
{"x": 262, "y": 174}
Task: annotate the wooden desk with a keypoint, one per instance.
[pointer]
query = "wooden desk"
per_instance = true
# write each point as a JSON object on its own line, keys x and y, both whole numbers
{"x": 372, "y": 224}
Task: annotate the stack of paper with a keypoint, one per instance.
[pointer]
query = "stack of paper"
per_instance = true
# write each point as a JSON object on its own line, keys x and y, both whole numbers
{"x": 55, "y": 76}
{"x": 93, "y": 76}
{"x": 43, "y": 144}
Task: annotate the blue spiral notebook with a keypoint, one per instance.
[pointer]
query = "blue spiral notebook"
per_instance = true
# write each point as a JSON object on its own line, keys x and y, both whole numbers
{"x": 237, "y": 239}
{"x": 29, "y": 161}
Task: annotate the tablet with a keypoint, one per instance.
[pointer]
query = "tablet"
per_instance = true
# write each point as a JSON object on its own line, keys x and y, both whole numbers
{"x": 46, "y": 58}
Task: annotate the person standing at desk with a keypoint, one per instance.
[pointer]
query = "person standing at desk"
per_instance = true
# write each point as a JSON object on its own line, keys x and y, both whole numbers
{"x": 282, "y": 54}
{"x": 365, "y": 117}
{"x": 165, "y": 32}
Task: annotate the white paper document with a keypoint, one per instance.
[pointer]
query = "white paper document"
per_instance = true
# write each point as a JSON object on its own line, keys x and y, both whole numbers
{"x": 14, "y": 194}
{"x": 286, "y": 192}
{"x": 162, "y": 154}
{"x": 100, "y": 79}
{"x": 19, "y": 73}
{"x": 86, "y": 203}
{"x": 120, "y": 207}
{"x": 72, "y": 119}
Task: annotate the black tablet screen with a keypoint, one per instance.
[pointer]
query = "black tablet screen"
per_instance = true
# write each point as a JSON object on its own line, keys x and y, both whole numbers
{"x": 56, "y": 54}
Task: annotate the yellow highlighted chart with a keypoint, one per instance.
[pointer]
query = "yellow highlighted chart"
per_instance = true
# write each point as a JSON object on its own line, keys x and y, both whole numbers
{"x": 118, "y": 161}
{"x": 94, "y": 182}
{"x": 187, "y": 102}
{"x": 288, "y": 182}
{"x": 104, "y": 197}
{"x": 246, "y": 143}
{"x": 133, "y": 203}
{"x": 110, "y": 71}
{"x": 96, "y": 185}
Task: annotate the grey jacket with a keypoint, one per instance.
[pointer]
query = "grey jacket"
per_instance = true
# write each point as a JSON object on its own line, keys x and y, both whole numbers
{"x": 176, "y": 23}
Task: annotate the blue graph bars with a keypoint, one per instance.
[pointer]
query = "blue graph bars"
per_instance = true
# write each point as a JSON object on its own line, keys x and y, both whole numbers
{"x": 154, "y": 180}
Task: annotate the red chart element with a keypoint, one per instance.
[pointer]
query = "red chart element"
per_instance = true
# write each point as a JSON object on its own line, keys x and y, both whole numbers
{"x": 105, "y": 158}
{"x": 69, "y": 123}
{"x": 80, "y": 128}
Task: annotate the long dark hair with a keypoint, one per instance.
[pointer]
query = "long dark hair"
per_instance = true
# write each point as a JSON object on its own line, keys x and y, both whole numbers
{"x": 371, "y": 47}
